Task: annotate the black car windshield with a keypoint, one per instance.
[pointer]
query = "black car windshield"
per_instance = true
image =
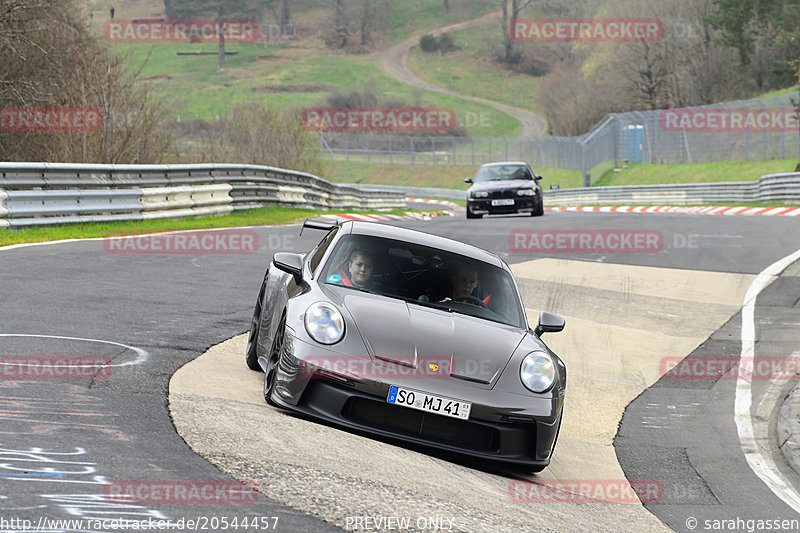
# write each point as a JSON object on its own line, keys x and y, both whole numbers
{"x": 503, "y": 172}
{"x": 425, "y": 276}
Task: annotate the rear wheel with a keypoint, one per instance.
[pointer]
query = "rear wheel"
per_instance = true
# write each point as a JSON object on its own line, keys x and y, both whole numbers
{"x": 251, "y": 353}
{"x": 271, "y": 371}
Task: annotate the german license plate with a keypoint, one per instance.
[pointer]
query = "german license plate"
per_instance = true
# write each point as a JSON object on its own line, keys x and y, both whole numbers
{"x": 429, "y": 403}
{"x": 505, "y": 201}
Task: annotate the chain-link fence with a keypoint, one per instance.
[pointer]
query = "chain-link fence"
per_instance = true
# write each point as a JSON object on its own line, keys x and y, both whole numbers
{"x": 755, "y": 129}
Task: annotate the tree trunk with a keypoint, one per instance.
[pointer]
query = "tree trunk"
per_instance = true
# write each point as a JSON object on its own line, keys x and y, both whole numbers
{"x": 340, "y": 23}
{"x": 286, "y": 17}
{"x": 221, "y": 62}
{"x": 508, "y": 44}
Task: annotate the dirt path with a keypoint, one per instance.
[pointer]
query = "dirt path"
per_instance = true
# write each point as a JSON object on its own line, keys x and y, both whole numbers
{"x": 394, "y": 61}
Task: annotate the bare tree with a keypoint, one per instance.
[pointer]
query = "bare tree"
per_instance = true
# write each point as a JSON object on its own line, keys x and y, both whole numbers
{"x": 221, "y": 10}
{"x": 367, "y": 20}
{"x": 286, "y": 16}
{"x": 259, "y": 134}
{"x": 510, "y": 54}
{"x": 52, "y": 60}
{"x": 648, "y": 75}
{"x": 340, "y": 26}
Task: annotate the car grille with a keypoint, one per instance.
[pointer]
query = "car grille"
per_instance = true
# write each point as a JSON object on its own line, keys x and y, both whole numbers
{"x": 501, "y": 194}
{"x": 431, "y": 427}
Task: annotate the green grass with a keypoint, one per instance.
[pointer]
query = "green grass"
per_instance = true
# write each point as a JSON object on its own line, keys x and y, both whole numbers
{"x": 295, "y": 74}
{"x": 286, "y": 76}
{"x": 441, "y": 176}
{"x": 780, "y": 92}
{"x": 648, "y": 174}
{"x": 473, "y": 70}
{"x": 265, "y": 216}
{"x": 452, "y": 176}
{"x": 413, "y": 16}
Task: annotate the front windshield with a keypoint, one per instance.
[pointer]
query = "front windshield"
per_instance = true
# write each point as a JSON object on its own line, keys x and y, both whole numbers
{"x": 503, "y": 172}
{"x": 424, "y": 276}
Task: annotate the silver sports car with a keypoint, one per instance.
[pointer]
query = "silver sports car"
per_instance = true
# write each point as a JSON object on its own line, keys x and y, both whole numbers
{"x": 410, "y": 336}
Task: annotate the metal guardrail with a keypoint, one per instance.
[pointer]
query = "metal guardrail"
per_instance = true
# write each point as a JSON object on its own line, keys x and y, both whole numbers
{"x": 55, "y": 193}
{"x": 417, "y": 192}
{"x": 770, "y": 188}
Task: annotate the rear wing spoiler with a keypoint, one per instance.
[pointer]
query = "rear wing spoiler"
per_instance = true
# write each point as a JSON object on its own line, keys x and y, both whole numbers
{"x": 325, "y": 225}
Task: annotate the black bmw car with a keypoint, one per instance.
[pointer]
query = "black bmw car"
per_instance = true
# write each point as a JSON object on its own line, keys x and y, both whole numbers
{"x": 411, "y": 336}
{"x": 504, "y": 188}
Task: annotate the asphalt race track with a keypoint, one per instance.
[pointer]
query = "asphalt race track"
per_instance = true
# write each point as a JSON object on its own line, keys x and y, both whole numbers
{"x": 63, "y": 442}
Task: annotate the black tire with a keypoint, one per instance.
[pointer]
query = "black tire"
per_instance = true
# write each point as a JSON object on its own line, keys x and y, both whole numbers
{"x": 273, "y": 360}
{"x": 539, "y": 211}
{"x": 251, "y": 353}
{"x": 473, "y": 215}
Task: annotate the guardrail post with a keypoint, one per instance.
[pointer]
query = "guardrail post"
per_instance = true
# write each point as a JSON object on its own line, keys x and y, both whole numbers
{"x": 473, "y": 151}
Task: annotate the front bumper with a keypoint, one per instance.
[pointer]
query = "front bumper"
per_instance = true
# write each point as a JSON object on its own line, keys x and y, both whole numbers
{"x": 505, "y": 427}
{"x": 483, "y": 206}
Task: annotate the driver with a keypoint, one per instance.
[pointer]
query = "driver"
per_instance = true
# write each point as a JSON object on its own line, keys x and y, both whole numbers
{"x": 464, "y": 280}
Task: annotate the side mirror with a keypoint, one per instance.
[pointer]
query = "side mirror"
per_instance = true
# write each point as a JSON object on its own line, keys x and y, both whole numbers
{"x": 537, "y": 178}
{"x": 289, "y": 263}
{"x": 549, "y": 323}
{"x": 467, "y": 180}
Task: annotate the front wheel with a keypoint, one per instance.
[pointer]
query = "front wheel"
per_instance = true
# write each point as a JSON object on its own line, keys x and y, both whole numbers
{"x": 473, "y": 215}
{"x": 251, "y": 353}
{"x": 539, "y": 211}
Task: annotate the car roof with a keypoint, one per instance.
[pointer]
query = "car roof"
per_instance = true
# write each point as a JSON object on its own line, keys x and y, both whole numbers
{"x": 419, "y": 237}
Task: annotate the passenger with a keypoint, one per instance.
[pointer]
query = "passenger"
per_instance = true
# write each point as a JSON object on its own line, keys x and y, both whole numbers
{"x": 356, "y": 270}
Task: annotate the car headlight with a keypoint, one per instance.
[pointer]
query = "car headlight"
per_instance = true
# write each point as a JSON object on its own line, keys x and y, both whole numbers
{"x": 480, "y": 194}
{"x": 537, "y": 372}
{"x": 526, "y": 192}
{"x": 324, "y": 323}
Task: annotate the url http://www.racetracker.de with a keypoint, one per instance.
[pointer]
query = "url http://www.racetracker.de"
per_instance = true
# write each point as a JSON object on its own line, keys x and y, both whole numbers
{"x": 199, "y": 523}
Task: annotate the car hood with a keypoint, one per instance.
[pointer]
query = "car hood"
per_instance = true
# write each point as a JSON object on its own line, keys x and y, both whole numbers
{"x": 503, "y": 185}
{"x": 468, "y": 348}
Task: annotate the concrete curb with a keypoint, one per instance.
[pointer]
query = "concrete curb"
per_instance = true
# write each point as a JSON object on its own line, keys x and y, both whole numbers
{"x": 419, "y": 215}
{"x": 789, "y": 429}
{"x": 695, "y": 210}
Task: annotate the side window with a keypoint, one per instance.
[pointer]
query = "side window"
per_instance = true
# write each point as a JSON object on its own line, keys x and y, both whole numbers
{"x": 319, "y": 251}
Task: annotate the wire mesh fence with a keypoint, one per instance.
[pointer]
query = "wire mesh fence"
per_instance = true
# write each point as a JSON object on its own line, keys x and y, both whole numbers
{"x": 757, "y": 129}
